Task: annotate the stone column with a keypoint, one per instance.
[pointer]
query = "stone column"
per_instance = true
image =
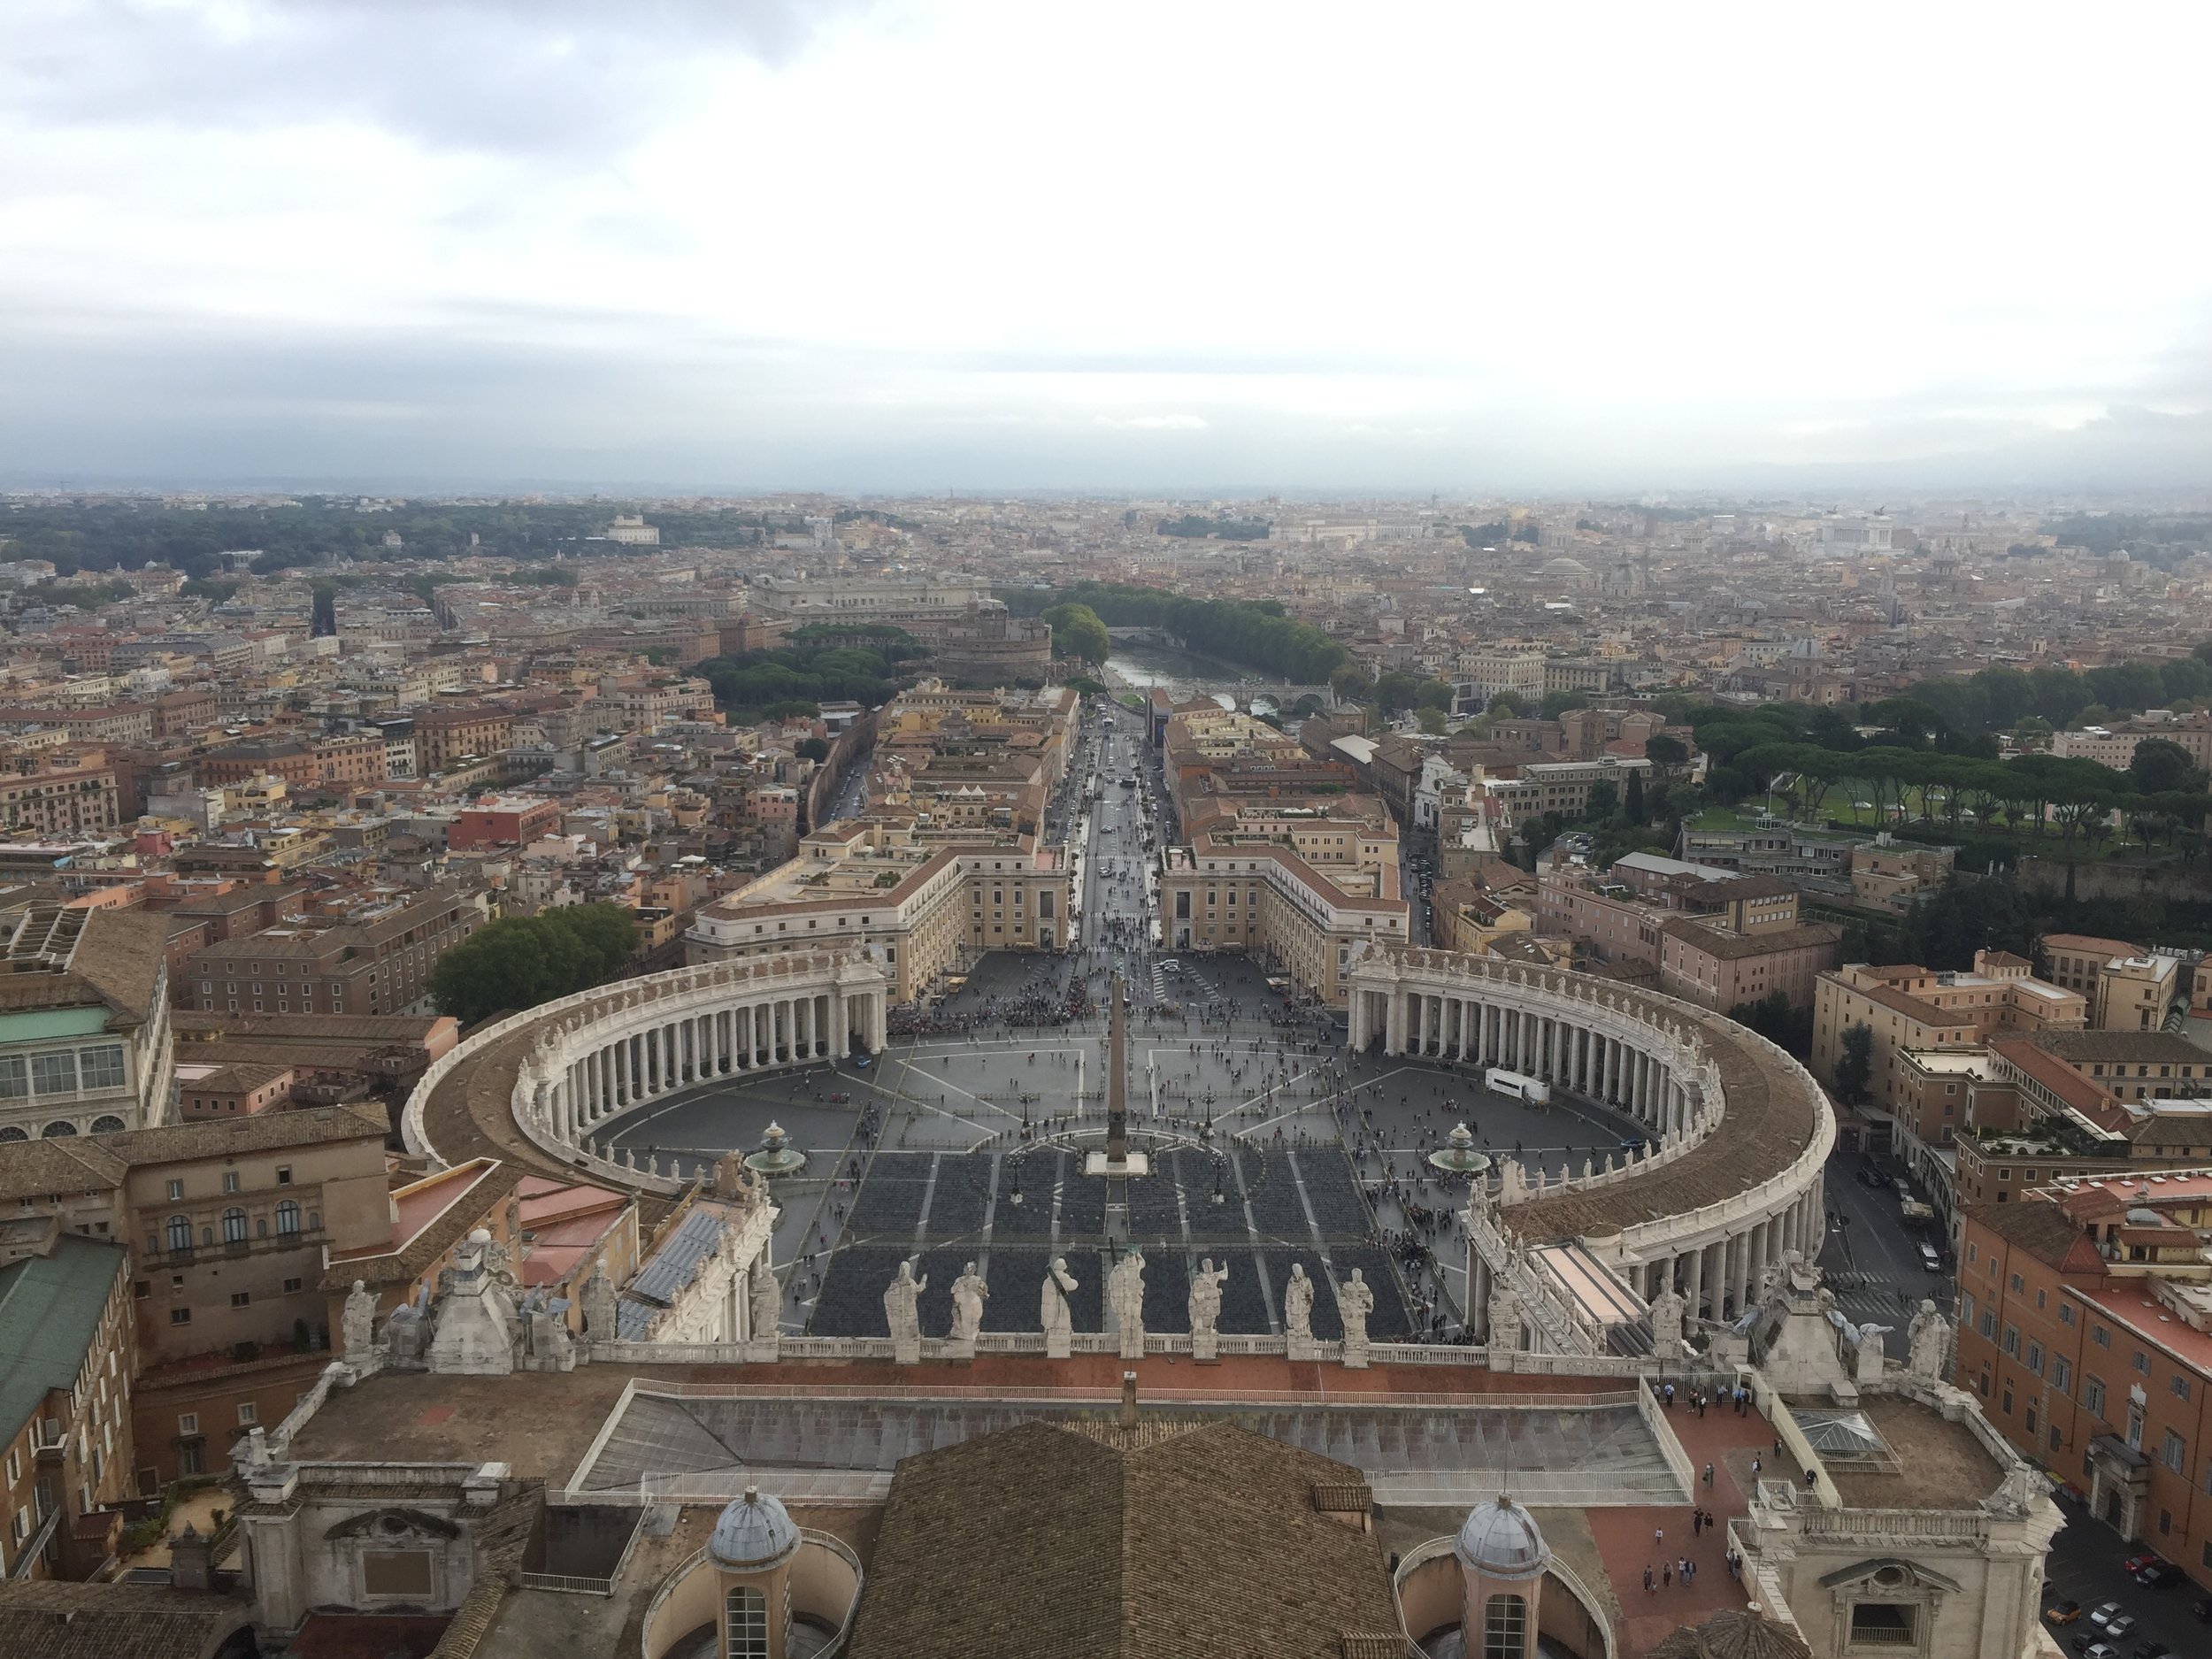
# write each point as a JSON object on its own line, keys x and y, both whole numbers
{"x": 1394, "y": 1023}
{"x": 1696, "y": 1288}
{"x": 1755, "y": 1259}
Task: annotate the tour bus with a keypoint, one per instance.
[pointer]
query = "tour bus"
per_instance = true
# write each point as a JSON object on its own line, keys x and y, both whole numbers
{"x": 1533, "y": 1090}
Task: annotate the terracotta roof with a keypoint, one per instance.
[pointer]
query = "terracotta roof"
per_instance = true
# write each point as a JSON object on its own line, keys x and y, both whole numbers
{"x": 53, "y": 1618}
{"x": 1091, "y": 1542}
{"x": 1727, "y": 947}
{"x": 1773, "y": 1114}
{"x": 2130, "y": 1048}
{"x": 1732, "y": 1633}
{"x": 264, "y": 1132}
{"x": 37, "y": 1170}
{"x": 2041, "y": 1229}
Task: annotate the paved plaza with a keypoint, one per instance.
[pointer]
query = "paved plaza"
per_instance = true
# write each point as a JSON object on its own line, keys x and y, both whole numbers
{"x": 1268, "y": 1137}
{"x": 1270, "y": 1144}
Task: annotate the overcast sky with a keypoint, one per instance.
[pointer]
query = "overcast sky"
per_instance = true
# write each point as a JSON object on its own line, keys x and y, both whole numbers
{"x": 826, "y": 244}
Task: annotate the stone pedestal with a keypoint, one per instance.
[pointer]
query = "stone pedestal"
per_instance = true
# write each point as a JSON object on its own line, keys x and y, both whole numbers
{"x": 1133, "y": 1342}
{"x": 959, "y": 1348}
{"x": 1205, "y": 1346}
{"x": 1354, "y": 1353}
{"x": 1303, "y": 1347}
{"x": 1059, "y": 1344}
{"x": 906, "y": 1350}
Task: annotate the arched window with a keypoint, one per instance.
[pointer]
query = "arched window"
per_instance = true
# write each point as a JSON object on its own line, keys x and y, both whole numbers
{"x": 234, "y": 1225}
{"x": 57, "y": 1129}
{"x": 108, "y": 1125}
{"x": 288, "y": 1217}
{"x": 314, "y": 1221}
{"x": 12, "y": 1134}
{"x": 179, "y": 1232}
{"x": 745, "y": 1615}
{"x": 1504, "y": 1627}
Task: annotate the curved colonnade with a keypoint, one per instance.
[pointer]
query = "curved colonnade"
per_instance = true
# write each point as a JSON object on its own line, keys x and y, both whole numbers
{"x": 574, "y": 1067}
{"x": 1743, "y": 1129}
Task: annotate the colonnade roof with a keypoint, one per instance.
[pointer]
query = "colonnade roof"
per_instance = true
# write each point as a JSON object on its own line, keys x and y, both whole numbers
{"x": 1773, "y": 1112}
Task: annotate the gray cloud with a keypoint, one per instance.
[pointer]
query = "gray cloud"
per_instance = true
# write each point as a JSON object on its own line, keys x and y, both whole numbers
{"x": 508, "y": 75}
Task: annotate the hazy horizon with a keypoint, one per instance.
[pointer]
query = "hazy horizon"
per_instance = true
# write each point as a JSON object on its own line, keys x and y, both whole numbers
{"x": 905, "y": 248}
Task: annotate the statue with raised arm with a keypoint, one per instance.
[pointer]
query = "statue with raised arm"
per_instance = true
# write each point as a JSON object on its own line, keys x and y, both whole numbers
{"x": 1928, "y": 1336}
{"x": 902, "y": 1312}
{"x": 360, "y": 1324}
{"x": 1355, "y": 1301}
{"x": 969, "y": 1294}
{"x": 1058, "y": 1323}
{"x": 1205, "y": 1307}
{"x": 1124, "y": 1287}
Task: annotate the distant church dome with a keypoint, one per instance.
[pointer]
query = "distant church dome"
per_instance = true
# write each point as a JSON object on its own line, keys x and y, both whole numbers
{"x": 1501, "y": 1540}
{"x": 755, "y": 1531}
{"x": 1564, "y": 567}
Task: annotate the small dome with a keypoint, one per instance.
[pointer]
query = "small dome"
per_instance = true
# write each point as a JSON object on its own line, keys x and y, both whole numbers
{"x": 1501, "y": 1540}
{"x": 1563, "y": 566}
{"x": 754, "y": 1531}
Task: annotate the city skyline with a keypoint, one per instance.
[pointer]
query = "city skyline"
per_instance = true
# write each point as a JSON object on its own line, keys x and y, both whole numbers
{"x": 913, "y": 248}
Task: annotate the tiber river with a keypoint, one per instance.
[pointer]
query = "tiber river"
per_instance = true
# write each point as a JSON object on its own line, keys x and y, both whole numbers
{"x": 1141, "y": 667}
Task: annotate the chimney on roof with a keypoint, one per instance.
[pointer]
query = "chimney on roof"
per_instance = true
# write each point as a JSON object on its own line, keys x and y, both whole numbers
{"x": 1129, "y": 1400}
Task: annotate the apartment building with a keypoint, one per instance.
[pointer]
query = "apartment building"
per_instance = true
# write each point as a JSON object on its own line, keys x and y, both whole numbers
{"x": 1888, "y": 875}
{"x": 1560, "y": 787}
{"x": 2077, "y": 961}
{"x": 61, "y": 800}
{"x": 372, "y": 953}
{"x": 66, "y": 1359}
{"x": 875, "y": 884}
{"x": 448, "y": 733}
{"x": 2085, "y": 1325}
{"x": 1907, "y": 1006}
{"x": 307, "y": 763}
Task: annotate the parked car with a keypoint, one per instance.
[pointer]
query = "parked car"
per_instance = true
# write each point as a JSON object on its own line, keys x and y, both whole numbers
{"x": 2104, "y": 1613}
{"x": 2119, "y": 1625}
{"x": 2150, "y": 1649}
{"x": 2160, "y": 1575}
{"x": 2140, "y": 1560}
{"x": 2090, "y": 1647}
{"x": 2061, "y": 1613}
{"x": 2202, "y": 1607}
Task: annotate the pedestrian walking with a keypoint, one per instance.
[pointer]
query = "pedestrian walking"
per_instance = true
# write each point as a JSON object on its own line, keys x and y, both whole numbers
{"x": 1709, "y": 1475}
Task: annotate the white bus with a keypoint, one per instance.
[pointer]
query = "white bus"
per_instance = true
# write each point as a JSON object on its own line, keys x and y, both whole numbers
{"x": 1533, "y": 1090}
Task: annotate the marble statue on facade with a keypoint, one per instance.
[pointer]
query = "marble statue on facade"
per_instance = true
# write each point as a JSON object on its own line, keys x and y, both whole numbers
{"x": 1298, "y": 1312}
{"x": 1125, "y": 1289}
{"x": 1205, "y": 1307}
{"x": 1355, "y": 1301}
{"x": 969, "y": 1294}
{"x": 1929, "y": 1336}
{"x": 766, "y": 1296}
{"x": 597, "y": 1298}
{"x": 1667, "y": 1308}
{"x": 902, "y": 1312}
{"x": 1058, "y": 1323}
{"x": 1505, "y": 1321}
{"x": 359, "y": 1325}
